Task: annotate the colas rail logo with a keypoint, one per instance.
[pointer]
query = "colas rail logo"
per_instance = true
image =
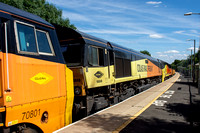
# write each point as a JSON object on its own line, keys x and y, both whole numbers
{"x": 41, "y": 78}
{"x": 98, "y": 74}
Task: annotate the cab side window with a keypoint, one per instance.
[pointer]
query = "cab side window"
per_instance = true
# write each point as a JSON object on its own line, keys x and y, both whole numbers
{"x": 96, "y": 56}
{"x": 43, "y": 42}
{"x": 26, "y": 38}
{"x": 32, "y": 41}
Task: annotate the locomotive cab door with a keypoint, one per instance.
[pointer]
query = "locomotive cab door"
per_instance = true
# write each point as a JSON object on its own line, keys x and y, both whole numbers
{"x": 3, "y": 41}
{"x": 110, "y": 62}
{"x": 134, "y": 67}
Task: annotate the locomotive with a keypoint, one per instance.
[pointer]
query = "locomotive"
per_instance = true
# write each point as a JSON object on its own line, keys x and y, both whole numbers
{"x": 36, "y": 87}
{"x": 43, "y": 78}
{"x": 106, "y": 73}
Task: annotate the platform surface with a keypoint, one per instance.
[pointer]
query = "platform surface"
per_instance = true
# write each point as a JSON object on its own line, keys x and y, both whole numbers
{"x": 115, "y": 118}
{"x": 176, "y": 111}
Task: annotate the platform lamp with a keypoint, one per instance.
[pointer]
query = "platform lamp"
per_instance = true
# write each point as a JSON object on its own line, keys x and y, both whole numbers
{"x": 191, "y": 63}
{"x": 187, "y": 14}
{"x": 193, "y": 60}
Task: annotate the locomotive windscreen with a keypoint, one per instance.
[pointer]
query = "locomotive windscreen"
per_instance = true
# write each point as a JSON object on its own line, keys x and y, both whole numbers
{"x": 73, "y": 54}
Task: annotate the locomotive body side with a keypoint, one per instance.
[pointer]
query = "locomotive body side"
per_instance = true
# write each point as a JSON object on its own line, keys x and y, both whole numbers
{"x": 104, "y": 73}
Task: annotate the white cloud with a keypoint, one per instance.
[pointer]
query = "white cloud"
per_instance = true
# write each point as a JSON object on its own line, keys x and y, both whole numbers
{"x": 159, "y": 52}
{"x": 171, "y": 51}
{"x": 162, "y": 55}
{"x": 155, "y": 36}
{"x": 112, "y": 31}
{"x": 156, "y": 6}
{"x": 179, "y": 32}
{"x": 192, "y": 48}
{"x": 75, "y": 16}
{"x": 153, "y": 2}
{"x": 170, "y": 55}
{"x": 192, "y": 33}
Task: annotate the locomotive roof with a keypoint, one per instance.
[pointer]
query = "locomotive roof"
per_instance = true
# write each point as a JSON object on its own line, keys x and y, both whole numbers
{"x": 88, "y": 38}
{"x": 10, "y": 10}
{"x": 67, "y": 34}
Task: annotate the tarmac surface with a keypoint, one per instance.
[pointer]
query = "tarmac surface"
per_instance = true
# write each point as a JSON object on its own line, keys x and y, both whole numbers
{"x": 176, "y": 111}
{"x": 170, "y": 107}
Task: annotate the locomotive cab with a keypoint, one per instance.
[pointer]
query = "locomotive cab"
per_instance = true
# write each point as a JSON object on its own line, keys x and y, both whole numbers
{"x": 92, "y": 62}
{"x": 35, "y": 84}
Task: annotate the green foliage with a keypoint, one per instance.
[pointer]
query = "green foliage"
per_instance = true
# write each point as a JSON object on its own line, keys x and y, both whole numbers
{"x": 186, "y": 63}
{"x": 145, "y": 52}
{"x": 175, "y": 64}
{"x": 43, "y": 9}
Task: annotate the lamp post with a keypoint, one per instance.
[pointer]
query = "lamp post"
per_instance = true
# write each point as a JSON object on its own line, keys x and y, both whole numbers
{"x": 191, "y": 63}
{"x": 187, "y": 14}
{"x": 193, "y": 60}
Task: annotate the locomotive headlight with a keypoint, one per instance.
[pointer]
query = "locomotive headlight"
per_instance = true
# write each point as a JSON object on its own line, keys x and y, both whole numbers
{"x": 77, "y": 90}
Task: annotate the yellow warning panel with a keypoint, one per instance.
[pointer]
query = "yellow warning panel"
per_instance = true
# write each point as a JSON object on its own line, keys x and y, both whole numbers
{"x": 8, "y": 99}
{"x": 41, "y": 78}
{"x": 12, "y": 122}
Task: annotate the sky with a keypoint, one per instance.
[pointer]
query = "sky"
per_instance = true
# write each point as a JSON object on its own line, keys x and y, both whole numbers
{"x": 159, "y": 27}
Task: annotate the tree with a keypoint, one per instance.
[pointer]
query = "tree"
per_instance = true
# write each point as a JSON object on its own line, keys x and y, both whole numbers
{"x": 176, "y": 62}
{"x": 43, "y": 9}
{"x": 145, "y": 52}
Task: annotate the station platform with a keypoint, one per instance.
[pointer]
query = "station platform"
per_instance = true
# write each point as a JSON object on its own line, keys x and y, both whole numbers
{"x": 127, "y": 116}
{"x": 176, "y": 111}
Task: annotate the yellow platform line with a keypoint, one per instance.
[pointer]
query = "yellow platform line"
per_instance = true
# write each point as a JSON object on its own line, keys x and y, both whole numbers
{"x": 142, "y": 110}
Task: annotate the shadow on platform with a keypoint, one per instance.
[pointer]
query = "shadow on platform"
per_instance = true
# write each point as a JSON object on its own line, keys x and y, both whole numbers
{"x": 100, "y": 122}
{"x": 186, "y": 83}
{"x": 154, "y": 125}
{"x": 190, "y": 112}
